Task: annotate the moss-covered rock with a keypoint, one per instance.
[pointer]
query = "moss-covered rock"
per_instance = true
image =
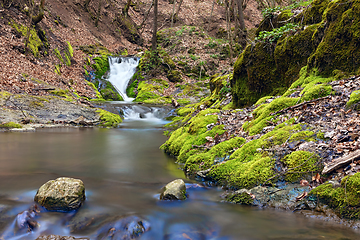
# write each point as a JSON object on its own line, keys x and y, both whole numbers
{"x": 302, "y": 163}
{"x": 10, "y": 125}
{"x": 108, "y": 119}
{"x": 174, "y": 76}
{"x": 344, "y": 199}
{"x": 339, "y": 48}
{"x": 354, "y": 100}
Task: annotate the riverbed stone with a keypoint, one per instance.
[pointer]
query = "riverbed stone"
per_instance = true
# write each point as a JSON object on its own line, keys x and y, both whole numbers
{"x": 175, "y": 190}
{"x": 63, "y": 194}
{"x": 58, "y": 237}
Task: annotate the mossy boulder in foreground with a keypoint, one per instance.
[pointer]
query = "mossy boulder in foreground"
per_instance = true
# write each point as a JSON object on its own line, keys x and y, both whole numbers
{"x": 344, "y": 198}
{"x": 63, "y": 194}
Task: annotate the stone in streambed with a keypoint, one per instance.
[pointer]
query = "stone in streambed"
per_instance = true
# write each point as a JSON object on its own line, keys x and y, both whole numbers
{"x": 57, "y": 237}
{"x": 63, "y": 194}
{"x": 175, "y": 190}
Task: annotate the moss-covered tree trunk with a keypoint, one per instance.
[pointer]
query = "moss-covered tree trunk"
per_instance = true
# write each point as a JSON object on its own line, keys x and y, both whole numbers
{"x": 36, "y": 19}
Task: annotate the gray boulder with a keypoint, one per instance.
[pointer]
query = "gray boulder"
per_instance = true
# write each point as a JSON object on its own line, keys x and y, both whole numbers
{"x": 175, "y": 190}
{"x": 63, "y": 194}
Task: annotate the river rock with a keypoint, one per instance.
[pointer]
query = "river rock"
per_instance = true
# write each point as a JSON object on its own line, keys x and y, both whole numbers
{"x": 58, "y": 237}
{"x": 175, "y": 190}
{"x": 63, "y": 194}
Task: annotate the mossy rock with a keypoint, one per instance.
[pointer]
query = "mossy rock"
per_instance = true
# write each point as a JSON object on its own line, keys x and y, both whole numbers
{"x": 344, "y": 199}
{"x": 240, "y": 197}
{"x": 271, "y": 22}
{"x": 339, "y": 48}
{"x": 265, "y": 70}
{"x": 354, "y": 100}
{"x": 10, "y": 125}
{"x": 108, "y": 119}
{"x": 110, "y": 95}
{"x": 174, "y": 76}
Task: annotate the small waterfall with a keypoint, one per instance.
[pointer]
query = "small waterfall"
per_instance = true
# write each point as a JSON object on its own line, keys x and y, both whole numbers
{"x": 121, "y": 71}
{"x": 140, "y": 112}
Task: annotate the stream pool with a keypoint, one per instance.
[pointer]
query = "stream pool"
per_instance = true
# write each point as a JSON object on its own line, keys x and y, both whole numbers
{"x": 123, "y": 171}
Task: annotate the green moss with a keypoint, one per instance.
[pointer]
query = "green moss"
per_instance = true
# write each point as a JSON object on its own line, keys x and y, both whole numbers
{"x": 184, "y": 101}
{"x": 240, "y": 198}
{"x": 354, "y": 99}
{"x": 10, "y": 125}
{"x": 338, "y": 48}
{"x": 304, "y": 163}
{"x": 58, "y": 55}
{"x": 131, "y": 90}
{"x": 219, "y": 152}
{"x": 101, "y": 65}
{"x": 174, "y": 76}
{"x": 110, "y": 95}
{"x": 108, "y": 119}
{"x": 345, "y": 200}
{"x": 182, "y": 140}
{"x": 304, "y": 135}
{"x": 183, "y": 111}
{"x": 35, "y": 43}
{"x": 150, "y": 93}
{"x": 98, "y": 95}
{"x": 63, "y": 93}
{"x": 262, "y": 113}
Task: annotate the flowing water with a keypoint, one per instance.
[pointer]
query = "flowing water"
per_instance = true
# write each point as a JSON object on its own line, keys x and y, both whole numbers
{"x": 121, "y": 71}
{"x": 123, "y": 171}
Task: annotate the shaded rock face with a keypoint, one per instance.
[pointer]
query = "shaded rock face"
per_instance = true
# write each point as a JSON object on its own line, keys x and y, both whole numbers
{"x": 62, "y": 194}
{"x": 175, "y": 190}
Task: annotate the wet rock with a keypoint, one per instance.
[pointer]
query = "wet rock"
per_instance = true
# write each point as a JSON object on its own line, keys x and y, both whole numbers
{"x": 125, "y": 228}
{"x": 25, "y": 221}
{"x": 63, "y": 194}
{"x": 175, "y": 190}
{"x": 58, "y": 237}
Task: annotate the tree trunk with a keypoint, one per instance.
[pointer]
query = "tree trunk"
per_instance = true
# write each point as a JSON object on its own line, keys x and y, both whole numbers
{"x": 242, "y": 32}
{"x": 212, "y": 9}
{"x": 98, "y": 14}
{"x": 86, "y": 5}
{"x": 40, "y": 16}
{"x": 126, "y": 8}
{"x": 172, "y": 15}
{"x": 227, "y": 6}
{"x": 178, "y": 10}
{"x": 154, "y": 40}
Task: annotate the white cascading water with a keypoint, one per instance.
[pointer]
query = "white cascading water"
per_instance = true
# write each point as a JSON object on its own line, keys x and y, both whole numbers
{"x": 121, "y": 71}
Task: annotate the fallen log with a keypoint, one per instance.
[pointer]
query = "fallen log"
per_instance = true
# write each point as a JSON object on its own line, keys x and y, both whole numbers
{"x": 339, "y": 162}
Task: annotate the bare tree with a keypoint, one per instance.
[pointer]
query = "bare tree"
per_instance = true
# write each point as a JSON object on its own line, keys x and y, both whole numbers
{"x": 86, "y": 5}
{"x": 154, "y": 40}
{"x": 126, "y": 8}
{"x": 98, "y": 14}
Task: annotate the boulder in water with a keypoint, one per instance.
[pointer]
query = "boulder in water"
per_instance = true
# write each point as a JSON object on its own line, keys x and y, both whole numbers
{"x": 63, "y": 194}
{"x": 175, "y": 190}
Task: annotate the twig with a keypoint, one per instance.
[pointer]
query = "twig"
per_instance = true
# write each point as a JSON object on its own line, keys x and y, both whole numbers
{"x": 147, "y": 14}
{"x": 8, "y": 99}
{"x": 339, "y": 162}
{"x": 299, "y": 105}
